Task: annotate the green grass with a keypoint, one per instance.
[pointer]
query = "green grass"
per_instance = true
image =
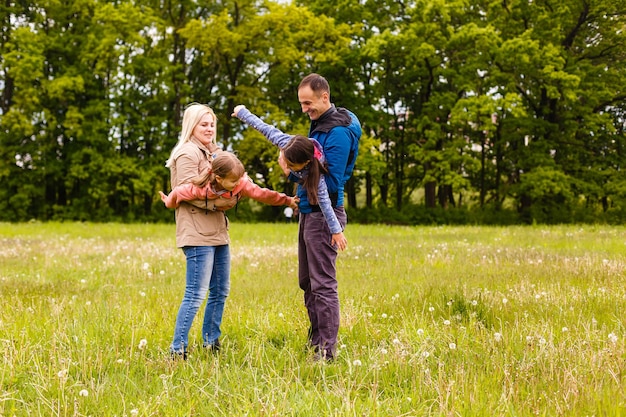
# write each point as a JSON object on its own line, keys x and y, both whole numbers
{"x": 441, "y": 321}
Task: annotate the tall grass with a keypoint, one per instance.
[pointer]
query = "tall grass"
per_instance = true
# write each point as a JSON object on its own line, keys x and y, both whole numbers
{"x": 441, "y": 321}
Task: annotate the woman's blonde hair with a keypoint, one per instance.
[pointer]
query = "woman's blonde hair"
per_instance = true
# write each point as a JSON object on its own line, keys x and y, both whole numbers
{"x": 191, "y": 117}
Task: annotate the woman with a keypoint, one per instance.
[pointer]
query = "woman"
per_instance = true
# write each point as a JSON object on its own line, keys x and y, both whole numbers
{"x": 201, "y": 232}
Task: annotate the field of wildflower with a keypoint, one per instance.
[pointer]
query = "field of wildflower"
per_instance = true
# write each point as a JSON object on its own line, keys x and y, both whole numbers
{"x": 435, "y": 321}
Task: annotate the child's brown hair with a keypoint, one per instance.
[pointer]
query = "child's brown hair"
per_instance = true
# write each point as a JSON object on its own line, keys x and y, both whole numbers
{"x": 224, "y": 164}
{"x": 301, "y": 150}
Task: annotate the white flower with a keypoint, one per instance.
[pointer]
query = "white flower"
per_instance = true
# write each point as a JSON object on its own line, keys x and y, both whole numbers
{"x": 356, "y": 362}
{"x": 383, "y": 351}
{"x": 281, "y": 315}
{"x": 162, "y": 272}
{"x": 62, "y": 374}
{"x": 446, "y": 322}
{"x": 497, "y": 336}
{"x": 564, "y": 329}
{"x": 134, "y": 412}
{"x": 384, "y": 315}
{"x": 141, "y": 293}
{"x": 431, "y": 309}
{"x": 452, "y": 346}
{"x": 612, "y": 337}
{"x": 542, "y": 341}
{"x": 425, "y": 353}
{"x": 474, "y": 302}
{"x": 83, "y": 393}
{"x": 146, "y": 266}
{"x": 396, "y": 341}
{"x": 420, "y": 332}
{"x": 504, "y": 301}
{"x": 142, "y": 344}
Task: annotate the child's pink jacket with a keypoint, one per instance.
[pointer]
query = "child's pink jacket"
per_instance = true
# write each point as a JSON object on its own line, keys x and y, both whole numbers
{"x": 245, "y": 188}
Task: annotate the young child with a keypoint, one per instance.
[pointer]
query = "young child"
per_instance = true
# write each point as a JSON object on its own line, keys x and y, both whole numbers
{"x": 224, "y": 184}
{"x": 305, "y": 160}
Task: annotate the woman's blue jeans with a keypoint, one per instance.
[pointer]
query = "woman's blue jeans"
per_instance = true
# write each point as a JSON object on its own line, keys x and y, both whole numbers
{"x": 208, "y": 269}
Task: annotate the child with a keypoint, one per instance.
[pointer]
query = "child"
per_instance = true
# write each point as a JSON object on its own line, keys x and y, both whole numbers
{"x": 305, "y": 160}
{"x": 224, "y": 184}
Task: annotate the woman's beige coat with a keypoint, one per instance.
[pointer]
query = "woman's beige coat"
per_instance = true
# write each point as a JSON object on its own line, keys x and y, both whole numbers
{"x": 197, "y": 224}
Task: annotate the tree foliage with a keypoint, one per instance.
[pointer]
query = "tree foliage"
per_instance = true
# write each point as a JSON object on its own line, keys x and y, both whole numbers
{"x": 478, "y": 106}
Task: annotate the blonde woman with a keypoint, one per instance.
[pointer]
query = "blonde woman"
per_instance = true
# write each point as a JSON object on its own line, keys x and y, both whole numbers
{"x": 201, "y": 233}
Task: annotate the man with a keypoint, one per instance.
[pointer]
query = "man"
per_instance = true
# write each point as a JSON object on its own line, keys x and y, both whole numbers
{"x": 338, "y": 131}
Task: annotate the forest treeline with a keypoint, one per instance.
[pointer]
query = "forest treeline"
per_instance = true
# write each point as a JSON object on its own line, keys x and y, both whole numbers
{"x": 478, "y": 111}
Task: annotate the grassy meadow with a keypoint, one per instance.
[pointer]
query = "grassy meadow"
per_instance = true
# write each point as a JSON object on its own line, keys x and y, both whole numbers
{"x": 435, "y": 321}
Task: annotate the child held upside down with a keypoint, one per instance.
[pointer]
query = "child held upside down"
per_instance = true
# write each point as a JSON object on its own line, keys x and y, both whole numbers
{"x": 304, "y": 159}
{"x": 223, "y": 185}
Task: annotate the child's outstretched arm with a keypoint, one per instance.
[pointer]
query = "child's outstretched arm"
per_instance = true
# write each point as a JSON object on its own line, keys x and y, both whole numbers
{"x": 183, "y": 192}
{"x": 273, "y": 134}
{"x": 338, "y": 239}
{"x": 267, "y": 196}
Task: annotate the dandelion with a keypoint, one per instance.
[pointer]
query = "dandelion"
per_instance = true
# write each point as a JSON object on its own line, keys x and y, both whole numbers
{"x": 474, "y": 302}
{"x": 497, "y": 337}
{"x": 452, "y": 346}
{"x": 62, "y": 374}
{"x": 529, "y": 339}
{"x": 446, "y": 322}
{"x": 504, "y": 300}
{"x": 134, "y": 412}
{"x": 146, "y": 266}
{"x": 142, "y": 344}
{"x": 83, "y": 393}
{"x": 612, "y": 337}
{"x": 281, "y": 315}
{"x": 564, "y": 329}
{"x": 141, "y": 293}
{"x": 420, "y": 332}
{"x": 425, "y": 354}
{"x": 396, "y": 341}
{"x": 383, "y": 351}
{"x": 82, "y": 281}
{"x": 162, "y": 272}
{"x": 542, "y": 341}
{"x": 88, "y": 303}
{"x": 431, "y": 309}
{"x": 384, "y": 316}
{"x": 356, "y": 362}
{"x": 369, "y": 314}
